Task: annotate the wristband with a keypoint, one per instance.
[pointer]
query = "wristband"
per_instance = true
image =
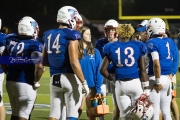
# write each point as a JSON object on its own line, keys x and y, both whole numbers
{"x": 157, "y": 81}
{"x": 145, "y": 84}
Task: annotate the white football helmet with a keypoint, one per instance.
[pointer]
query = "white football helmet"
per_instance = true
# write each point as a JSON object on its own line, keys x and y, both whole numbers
{"x": 68, "y": 15}
{"x": 0, "y": 24}
{"x": 155, "y": 26}
{"x": 143, "y": 109}
{"x": 110, "y": 24}
{"x": 28, "y": 26}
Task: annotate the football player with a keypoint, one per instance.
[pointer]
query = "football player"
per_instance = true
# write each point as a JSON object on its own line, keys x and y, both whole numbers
{"x": 23, "y": 69}
{"x": 161, "y": 53}
{"x": 2, "y": 47}
{"x": 67, "y": 79}
{"x": 174, "y": 106}
{"x": 127, "y": 58}
{"x": 110, "y": 36}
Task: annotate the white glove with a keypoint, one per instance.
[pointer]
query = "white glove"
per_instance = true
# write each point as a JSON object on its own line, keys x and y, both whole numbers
{"x": 85, "y": 88}
{"x": 36, "y": 84}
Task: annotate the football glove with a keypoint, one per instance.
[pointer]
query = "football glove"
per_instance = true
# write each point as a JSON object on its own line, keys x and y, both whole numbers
{"x": 36, "y": 84}
{"x": 85, "y": 88}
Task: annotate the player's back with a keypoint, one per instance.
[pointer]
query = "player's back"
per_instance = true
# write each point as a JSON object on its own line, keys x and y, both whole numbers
{"x": 166, "y": 50}
{"x": 57, "y": 42}
{"x": 20, "y": 66}
{"x": 125, "y": 56}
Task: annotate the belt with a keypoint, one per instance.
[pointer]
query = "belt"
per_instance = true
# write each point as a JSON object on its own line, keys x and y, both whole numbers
{"x": 126, "y": 79}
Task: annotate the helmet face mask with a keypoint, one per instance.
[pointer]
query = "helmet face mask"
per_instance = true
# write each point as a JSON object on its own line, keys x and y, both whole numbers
{"x": 155, "y": 26}
{"x": 110, "y": 29}
{"x": 68, "y": 15}
{"x": 28, "y": 26}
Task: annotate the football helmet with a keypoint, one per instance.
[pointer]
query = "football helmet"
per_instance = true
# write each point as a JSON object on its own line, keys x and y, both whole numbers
{"x": 0, "y": 24}
{"x": 143, "y": 109}
{"x": 28, "y": 26}
{"x": 68, "y": 15}
{"x": 155, "y": 26}
{"x": 110, "y": 24}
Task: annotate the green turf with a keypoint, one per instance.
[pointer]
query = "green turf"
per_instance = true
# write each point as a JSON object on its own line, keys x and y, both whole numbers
{"x": 43, "y": 98}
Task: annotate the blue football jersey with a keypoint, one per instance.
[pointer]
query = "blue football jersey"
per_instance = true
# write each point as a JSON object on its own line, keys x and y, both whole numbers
{"x": 100, "y": 45}
{"x": 57, "y": 42}
{"x": 23, "y": 72}
{"x": 124, "y": 57}
{"x": 166, "y": 50}
{"x": 2, "y": 45}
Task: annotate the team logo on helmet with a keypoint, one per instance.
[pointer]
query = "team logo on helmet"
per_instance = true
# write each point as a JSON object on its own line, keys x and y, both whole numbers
{"x": 72, "y": 13}
{"x": 34, "y": 24}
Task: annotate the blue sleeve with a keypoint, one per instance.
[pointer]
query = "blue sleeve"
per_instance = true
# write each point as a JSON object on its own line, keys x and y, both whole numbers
{"x": 175, "y": 61}
{"x": 151, "y": 46}
{"x": 99, "y": 77}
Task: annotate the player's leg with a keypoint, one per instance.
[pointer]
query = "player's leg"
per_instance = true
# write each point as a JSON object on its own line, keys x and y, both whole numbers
{"x": 123, "y": 100}
{"x": 82, "y": 105}
{"x": 63, "y": 113}
{"x": 26, "y": 99}
{"x": 165, "y": 97}
{"x": 56, "y": 98}
{"x": 174, "y": 106}
{"x": 134, "y": 91}
{"x": 2, "y": 108}
{"x": 73, "y": 95}
{"x": 13, "y": 101}
{"x": 116, "y": 112}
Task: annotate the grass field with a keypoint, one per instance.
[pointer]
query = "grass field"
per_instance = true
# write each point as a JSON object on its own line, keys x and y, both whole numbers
{"x": 41, "y": 110}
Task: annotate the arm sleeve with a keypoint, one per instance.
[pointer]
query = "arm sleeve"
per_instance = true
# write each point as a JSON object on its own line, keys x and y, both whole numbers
{"x": 99, "y": 77}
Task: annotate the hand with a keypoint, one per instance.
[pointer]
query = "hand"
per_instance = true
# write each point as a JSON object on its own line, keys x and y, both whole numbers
{"x": 85, "y": 88}
{"x": 157, "y": 87}
{"x": 170, "y": 76}
{"x": 36, "y": 85}
{"x": 113, "y": 81}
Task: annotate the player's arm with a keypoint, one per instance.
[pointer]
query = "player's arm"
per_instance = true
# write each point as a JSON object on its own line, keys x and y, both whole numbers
{"x": 104, "y": 69}
{"x": 157, "y": 70}
{"x": 74, "y": 61}
{"x": 39, "y": 68}
{"x": 143, "y": 75}
{"x": 45, "y": 61}
{"x": 4, "y": 66}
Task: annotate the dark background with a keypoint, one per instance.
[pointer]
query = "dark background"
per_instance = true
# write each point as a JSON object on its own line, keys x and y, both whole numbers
{"x": 97, "y": 12}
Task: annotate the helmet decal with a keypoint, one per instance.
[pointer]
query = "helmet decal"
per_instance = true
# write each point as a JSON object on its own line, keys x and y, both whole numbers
{"x": 72, "y": 13}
